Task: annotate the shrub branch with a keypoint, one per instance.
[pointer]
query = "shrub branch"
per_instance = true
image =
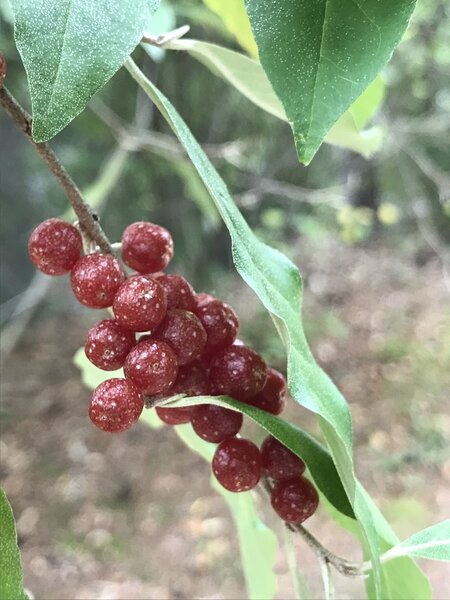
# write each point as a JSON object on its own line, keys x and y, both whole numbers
{"x": 88, "y": 220}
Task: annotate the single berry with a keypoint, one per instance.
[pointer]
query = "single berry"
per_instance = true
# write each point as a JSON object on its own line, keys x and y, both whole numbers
{"x": 140, "y": 303}
{"x": 237, "y": 465}
{"x": 238, "y": 371}
{"x": 192, "y": 380}
{"x": 174, "y": 416}
{"x": 184, "y": 333}
{"x": 272, "y": 398}
{"x": 294, "y": 500}
{"x": 115, "y": 405}
{"x": 220, "y": 322}
{"x": 278, "y": 461}
{"x": 2, "y": 68}
{"x": 202, "y": 299}
{"x": 146, "y": 247}
{"x": 152, "y": 366}
{"x": 108, "y": 344}
{"x": 215, "y": 423}
{"x": 180, "y": 293}
{"x": 95, "y": 279}
{"x": 55, "y": 246}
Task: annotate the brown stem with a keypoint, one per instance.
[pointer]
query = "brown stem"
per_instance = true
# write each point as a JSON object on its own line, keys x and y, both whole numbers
{"x": 87, "y": 219}
{"x": 341, "y": 565}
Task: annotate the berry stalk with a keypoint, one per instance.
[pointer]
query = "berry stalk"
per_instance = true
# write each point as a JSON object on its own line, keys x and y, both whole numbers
{"x": 87, "y": 219}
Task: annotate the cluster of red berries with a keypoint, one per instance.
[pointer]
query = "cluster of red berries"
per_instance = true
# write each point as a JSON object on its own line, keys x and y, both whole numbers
{"x": 187, "y": 344}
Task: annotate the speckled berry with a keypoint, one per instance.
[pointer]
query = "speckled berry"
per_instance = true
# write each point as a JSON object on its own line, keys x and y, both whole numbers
{"x": 179, "y": 291}
{"x": 202, "y": 299}
{"x": 174, "y": 416}
{"x": 238, "y": 371}
{"x": 215, "y": 423}
{"x": 116, "y": 405}
{"x": 192, "y": 380}
{"x": 140, "y": 303}
{"x": 152, "y": 366}
{"x": 294, "y": 500}
{"x": 220, "y": 322}
{"x": 237, "y": 465}
{"x": 95, "y": 279}
{"x": 55, "y": 246}
{"x": 184, "y": 333}
{"x": 108, "y": 343}
{"x": 146, "y": 247}
{"x": 278, "y": 461}
{"x": 272, "y": 398}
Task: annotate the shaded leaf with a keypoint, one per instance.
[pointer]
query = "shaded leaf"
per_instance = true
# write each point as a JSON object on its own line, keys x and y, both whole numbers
{"x": 235, "y": 19}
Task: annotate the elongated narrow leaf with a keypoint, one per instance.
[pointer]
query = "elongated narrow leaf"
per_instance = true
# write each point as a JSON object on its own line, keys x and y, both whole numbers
{"x": 278, "y": 284}
{"x": 249, "y": 78}
{"x": 320, "y": 56}
{"x": 70, "y": 49}
{"x": 11, "y": 583}
{"x": 258, "y": 543}
{"x": 432, "y": 543}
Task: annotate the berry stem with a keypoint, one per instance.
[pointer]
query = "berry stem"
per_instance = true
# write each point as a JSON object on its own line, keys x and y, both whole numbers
{"x": 88, "y": 220}
{"x": 343, "y": 566}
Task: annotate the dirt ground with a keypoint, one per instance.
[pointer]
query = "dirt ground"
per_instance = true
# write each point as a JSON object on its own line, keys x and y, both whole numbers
{"x": 133, "y": 516}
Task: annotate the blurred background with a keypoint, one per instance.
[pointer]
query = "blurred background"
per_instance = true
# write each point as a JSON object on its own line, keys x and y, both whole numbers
{"x": 133, "y": 516}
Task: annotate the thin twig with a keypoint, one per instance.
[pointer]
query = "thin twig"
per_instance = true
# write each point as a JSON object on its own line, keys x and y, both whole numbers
{"x": 88, "y": 220}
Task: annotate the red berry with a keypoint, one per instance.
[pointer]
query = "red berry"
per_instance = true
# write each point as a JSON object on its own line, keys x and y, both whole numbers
{"x": 2, "y": 68}
{"x": 146, "y": 247}
{"x": 295, "y": 499}
{"x": 95, "y": 279}
{"x": 278, "y": 461}
{"x": 220, "y": 322}
{"x": 179, "y": 291}
{"x": 55, "y": 246}
{"x": 238, "y": 371}
{"x": 140, "y": 303}
{"x": 152, "y": 366}
{"x": 215, "y": 423}
{"x": 201, "y": 299}
{"x": 184, "y": 333}
{"x": 115, "y": 405}
{"x": 272, "y": 397}
{"x": 174, "y": 416}
{"x": 192, "y": 380}
{"x": 108, "y": 344}
{"x": 237, "y": 465}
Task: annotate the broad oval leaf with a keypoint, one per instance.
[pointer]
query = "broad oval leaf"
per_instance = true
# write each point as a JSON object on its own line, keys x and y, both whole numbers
{"x": 235, "y": 19}
{"x": 249, "y": 78}
{"x": 316, "y": 457}
{"x": 70, "y": 49}
{"x": 11, "y": 581}
{"x": 257, "y": 542}
{"x": 432, "y": 542}
{"x": 321, "y": 55}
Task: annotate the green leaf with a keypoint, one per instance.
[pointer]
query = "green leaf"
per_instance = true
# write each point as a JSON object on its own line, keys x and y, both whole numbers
{"x": 278, "y": 284}
{"x": 320, "y": 56}
{"x": 249, "y": 78}
{"x": 235, "y": 19}
{"x": 258, "y": 543}
{"x": 70, "y": 49}
{"x": 432, "y": 543}
{"x": 316, "y": 457}
{"x": 11, "y": 580}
